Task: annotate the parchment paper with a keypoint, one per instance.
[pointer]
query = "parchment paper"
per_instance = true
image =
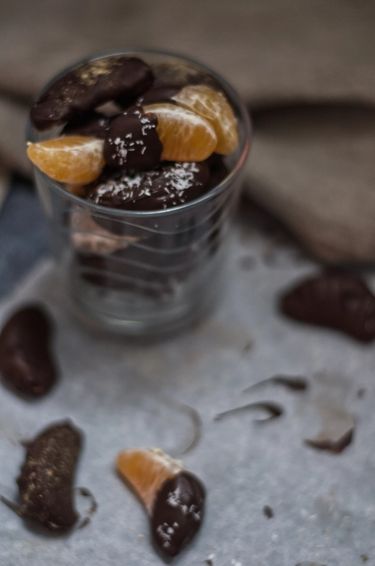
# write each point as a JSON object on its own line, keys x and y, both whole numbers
{"x": 324, "y": 505}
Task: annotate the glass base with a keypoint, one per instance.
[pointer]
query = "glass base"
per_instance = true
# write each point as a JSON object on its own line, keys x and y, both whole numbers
{"x": 167, "y": 324}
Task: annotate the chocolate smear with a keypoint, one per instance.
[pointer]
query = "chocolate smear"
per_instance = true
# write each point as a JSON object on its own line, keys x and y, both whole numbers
{"x": 46, "y": 480}
{"x": 196, "y": 422}
{"x": 27, "y": 363}
{"x": 333, "y": 299}
{"x": 177, "y": 513}
{"x": 273, "y": 409}
{"x": 297, "y": 384}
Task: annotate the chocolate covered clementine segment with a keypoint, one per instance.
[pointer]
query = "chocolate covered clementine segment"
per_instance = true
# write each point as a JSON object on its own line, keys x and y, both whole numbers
{"x": 185, "y": 135}
{"x": 90, "y": 85}
{"x": 173, "y": 497}
{"x": 27, "y": 363}
{"x": 146, "y": 471}
{"x": 169, "y": 185}
{"x": 132, "y": 142}
{"x": 212, "y": 105}
{"x": 76, "y": 160}
{"x": 334, "y": 299}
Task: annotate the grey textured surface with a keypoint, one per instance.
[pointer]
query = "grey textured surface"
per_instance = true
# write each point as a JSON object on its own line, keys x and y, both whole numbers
{"x": 324, "y": 505}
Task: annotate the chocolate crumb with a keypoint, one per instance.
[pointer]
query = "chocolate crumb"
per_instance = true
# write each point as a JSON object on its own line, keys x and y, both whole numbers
{"x": 273, "y": 409}
{"x": 364, "y": 558}
{"x": 247, "y": 347}
{"x": 268, "y": 512}
{"x": 361, "y": 393}
{"x": 297, "y": 383}
{"x": 336, "y": 446}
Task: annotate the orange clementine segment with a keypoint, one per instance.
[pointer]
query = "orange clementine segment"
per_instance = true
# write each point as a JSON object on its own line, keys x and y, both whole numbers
{"x": 146, "y": 471}
{"x": 76, "y": 160}
{"x": 185, "y": 136}
{"x": 212, "y": 105}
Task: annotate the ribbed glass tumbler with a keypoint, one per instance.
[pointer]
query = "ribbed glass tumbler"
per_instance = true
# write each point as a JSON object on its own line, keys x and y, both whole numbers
{"x": 146, "y": 272}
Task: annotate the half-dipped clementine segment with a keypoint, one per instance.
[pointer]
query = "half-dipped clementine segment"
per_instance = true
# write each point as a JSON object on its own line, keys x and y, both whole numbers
{"x": 145, "y": 471}
{"x": 185, "y": 135}
{"x": 76, "y": 160}
{"x": 212, "y": 105}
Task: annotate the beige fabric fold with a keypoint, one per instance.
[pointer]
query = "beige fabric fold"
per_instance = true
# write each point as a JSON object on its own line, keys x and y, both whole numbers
{"x": 314, "y": 168}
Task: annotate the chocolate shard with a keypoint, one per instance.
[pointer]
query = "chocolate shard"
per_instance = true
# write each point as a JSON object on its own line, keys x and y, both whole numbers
{"x": 294, "y": 383}
{"x": 47, "y": 477}
{"x": 274, "y": 411}
{"x": 90, "y": 85}
{"x": 177, "y": 513}
{"x": 26, "y": 360}
{"x": 334, "y": 445}
{"x": 132, "y": 142}
{"x": 333, "y": 299}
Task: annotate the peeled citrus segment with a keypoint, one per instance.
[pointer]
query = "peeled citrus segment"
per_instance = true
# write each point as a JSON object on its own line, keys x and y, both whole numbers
{"x": 76, "y": 160}
{"x": 185, "y": 136}
{"x": 146, "y": 471}
{"x": 212, "y": 105}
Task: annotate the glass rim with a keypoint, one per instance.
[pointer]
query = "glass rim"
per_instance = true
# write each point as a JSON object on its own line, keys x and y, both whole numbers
{"x": 210, "y": 194}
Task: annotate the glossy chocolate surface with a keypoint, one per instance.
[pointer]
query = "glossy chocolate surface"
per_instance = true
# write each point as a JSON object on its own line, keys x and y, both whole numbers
{"x": 26, "y": 359}
{"x": 177, "y": 513}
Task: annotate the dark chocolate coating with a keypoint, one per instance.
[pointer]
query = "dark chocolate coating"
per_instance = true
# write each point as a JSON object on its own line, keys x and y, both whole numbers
{"x": 26, "y": 360}
{"x": 218, "y": 169}
{"x": 162, "y": 93}
{"x": 165, "y": 187}
{"x": 177, "y": 513}
{"x": 333, "y": 299}
{"x": 132, "y": 142}
{"x": 47, "y": 477}
{"x": 90, "y": 85}
{"x": 91, "y": 124}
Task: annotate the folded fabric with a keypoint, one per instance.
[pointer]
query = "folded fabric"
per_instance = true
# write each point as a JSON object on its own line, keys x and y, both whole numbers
{"x": 313, "y": 167}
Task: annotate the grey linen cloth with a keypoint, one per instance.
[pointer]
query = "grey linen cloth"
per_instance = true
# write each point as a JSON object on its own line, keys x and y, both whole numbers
{"x": 313, "y": 167}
